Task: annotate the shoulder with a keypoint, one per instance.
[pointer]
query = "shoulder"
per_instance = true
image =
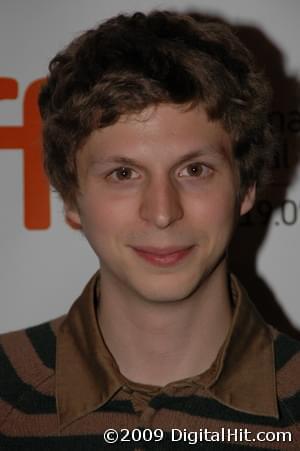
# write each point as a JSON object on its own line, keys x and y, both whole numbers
{"x": 286, "y": 349}
{"x": 287, "y": 365}
{"x": 27, "y": 362}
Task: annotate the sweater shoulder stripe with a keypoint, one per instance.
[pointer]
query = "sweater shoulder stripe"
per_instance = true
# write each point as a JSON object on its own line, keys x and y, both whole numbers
{"x": 43, "y": 341}
{"x": 292, "y": 404}
{"x": 20, "y": 395}
{"x": 285, "y": 348}
{"x": 211, "y": 408}
{"x": 24, "y": 358}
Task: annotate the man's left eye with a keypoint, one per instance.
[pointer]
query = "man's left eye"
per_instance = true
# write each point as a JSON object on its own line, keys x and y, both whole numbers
{"x": 123, "y": 173}
{"x": 195, "y": 170}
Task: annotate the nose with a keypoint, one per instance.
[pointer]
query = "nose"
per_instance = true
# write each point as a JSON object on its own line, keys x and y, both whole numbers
{"x": 161, "y": 203}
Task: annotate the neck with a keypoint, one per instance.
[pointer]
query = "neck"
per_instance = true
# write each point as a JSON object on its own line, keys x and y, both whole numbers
{"x": 157, "y": 343}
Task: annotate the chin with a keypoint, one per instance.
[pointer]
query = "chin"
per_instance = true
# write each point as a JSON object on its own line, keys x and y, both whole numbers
{"x": 169, "y": 291}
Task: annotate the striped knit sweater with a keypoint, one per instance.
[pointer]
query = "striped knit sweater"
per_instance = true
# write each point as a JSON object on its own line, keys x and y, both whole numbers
{"x": 57, "y": 392}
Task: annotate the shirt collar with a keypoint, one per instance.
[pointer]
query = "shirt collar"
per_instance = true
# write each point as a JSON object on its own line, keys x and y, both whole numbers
{"x": 87, "y": 375}
{"x": 242, "y": 376}
{"x": 245, "y": 376}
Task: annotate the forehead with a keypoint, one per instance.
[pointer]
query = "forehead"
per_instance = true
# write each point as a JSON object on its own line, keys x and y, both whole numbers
{"x": 160, "y": 132}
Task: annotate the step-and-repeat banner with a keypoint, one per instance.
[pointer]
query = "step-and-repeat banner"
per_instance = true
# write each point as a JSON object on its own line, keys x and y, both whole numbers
{"x": 43, "y": 263}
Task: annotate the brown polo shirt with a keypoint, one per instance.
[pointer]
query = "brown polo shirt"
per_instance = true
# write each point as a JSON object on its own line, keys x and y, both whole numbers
{"x": 242, "y": 377}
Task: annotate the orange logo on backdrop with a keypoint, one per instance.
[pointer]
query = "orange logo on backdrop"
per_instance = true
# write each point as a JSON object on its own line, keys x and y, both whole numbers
{"x": 28, "y": 138}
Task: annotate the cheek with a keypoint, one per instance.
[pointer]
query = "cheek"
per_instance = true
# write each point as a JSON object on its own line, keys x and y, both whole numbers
{"x": 101, "y": 215}
{"x": 215, "y": 208}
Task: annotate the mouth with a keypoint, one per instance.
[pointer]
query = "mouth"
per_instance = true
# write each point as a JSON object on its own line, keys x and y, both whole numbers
{"x": 163, "y": 256}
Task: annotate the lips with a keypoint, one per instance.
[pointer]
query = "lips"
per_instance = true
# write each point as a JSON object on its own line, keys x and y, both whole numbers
{"x": 163, "y": 256}
{"x": 161, "y": 251}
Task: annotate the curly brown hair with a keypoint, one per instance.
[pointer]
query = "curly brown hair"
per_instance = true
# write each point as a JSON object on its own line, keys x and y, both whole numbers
{"x": 133, "y": 61}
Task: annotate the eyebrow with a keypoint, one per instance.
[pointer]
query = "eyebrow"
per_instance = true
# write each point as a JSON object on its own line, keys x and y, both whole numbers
{"x": 188, "y": 156}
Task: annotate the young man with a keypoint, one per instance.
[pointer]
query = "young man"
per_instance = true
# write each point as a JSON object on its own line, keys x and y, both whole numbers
{"x": 156, "y": 136}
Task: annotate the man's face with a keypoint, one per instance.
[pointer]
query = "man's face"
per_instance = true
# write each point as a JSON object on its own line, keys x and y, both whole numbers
{"x": 154, "y": 184}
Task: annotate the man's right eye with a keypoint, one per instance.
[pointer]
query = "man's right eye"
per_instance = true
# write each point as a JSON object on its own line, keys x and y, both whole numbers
{"x": 122, "y": 173}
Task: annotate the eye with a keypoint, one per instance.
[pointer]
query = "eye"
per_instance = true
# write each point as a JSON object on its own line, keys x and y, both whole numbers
{"x": 123, "y": 173}
{"x": 195, "y": 170}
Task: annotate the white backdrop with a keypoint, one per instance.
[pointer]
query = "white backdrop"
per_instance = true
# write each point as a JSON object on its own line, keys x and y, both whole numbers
{"x": 42, "y": 271}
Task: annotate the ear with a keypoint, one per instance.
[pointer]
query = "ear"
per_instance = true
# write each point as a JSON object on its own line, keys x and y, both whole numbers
{"x": 72, "y": 216}
{"x": 248, "y": 200}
